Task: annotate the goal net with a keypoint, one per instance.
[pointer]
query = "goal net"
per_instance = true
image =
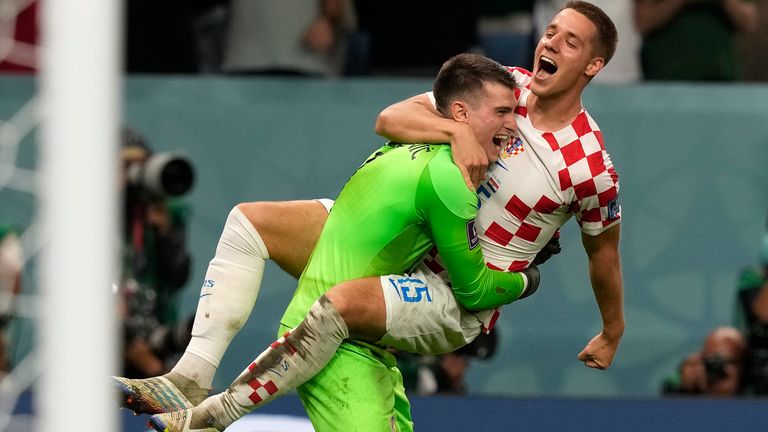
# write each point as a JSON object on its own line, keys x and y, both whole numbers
{"x": 58, "y": 168}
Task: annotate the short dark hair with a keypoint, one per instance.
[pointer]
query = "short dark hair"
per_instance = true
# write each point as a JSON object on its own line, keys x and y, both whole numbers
{"x": 607, "y": 36}
{"x": 463, "y": 76}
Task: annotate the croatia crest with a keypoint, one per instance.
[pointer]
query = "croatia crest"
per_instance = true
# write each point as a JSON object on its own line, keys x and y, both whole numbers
{"x": 513, "y": 148}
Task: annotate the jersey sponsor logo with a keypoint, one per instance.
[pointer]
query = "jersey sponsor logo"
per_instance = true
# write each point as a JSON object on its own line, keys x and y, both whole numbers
{"x": 513, "y": 148}
{"x": 614, "y": 208}
{"x": 472, "y": 236}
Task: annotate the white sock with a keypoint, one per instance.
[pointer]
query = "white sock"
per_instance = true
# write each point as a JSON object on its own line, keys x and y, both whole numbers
{"x": 227, "y": 296}
{"x": 286, "y": 364}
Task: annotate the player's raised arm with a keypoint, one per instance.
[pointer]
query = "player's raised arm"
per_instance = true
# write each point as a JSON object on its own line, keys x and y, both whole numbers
{"x": 605, "y": 274}
{"x": 415, "y": 120}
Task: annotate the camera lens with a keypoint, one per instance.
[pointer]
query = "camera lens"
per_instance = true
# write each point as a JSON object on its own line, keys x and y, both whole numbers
{"x": 167, "y": 174}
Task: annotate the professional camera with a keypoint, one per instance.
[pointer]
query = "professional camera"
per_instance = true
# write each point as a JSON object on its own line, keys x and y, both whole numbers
{"x": 715, "y": 368}
{"x": 163, "y": 174}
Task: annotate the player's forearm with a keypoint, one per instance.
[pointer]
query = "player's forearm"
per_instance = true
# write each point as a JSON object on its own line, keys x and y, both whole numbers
{"x": 607, "y": 285}
{"x": 414, "y": 120}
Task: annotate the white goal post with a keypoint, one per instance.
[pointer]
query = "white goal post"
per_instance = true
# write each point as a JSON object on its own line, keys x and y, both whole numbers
{"x": 80, "y": 99}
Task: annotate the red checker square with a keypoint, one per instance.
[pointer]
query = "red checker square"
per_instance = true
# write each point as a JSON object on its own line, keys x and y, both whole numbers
{"x": 573, "y": 153}
{"x": 596, "y": 163}
{"x": 518, "y": 208}
{"x": 581, "y": 124}
{"x": 599, "y": 136}
{"x": 585, "y": 189}
{"x": 255, "y": 398}
{"x": 614, "y": 176}
{"x": 521, "y": 110}
{"x": 607, "y": 196}
{"x": 517, "y": 92}
{"x": 492, "y": 267}
{"x": 546, "y": 205}
{"x": 270, "y": 387}
{"x": 498, "y": 234}
{"x": 252, "y": 367}
{"x": 550, "y": 138}
{"x": 565, "y": 179}
{"x": 609, "y": 221}
{"x": 528, "y": 232}
{"x": 254, "y": 383}
{"x": 517, "y": 266}
{"x": 591, "y": 215}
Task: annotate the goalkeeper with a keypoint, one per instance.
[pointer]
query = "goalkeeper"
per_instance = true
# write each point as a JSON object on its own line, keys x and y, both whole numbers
{"x": 426, "y": 203}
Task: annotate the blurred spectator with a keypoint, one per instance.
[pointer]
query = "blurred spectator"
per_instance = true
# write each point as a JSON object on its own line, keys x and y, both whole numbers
{"x": 160, "y": 35}
{"x": 505, "y": 31}
{"x": 20, "y": 57}
{"x": 625, "y": 65}
{"x": 287, "y": 37}
{"x": 733, "y": 361}
{"x": 11, "y": 265}
{"x": 156, "y": 262}
{"x": 444, "y": 374}
{"x": 753, "y": 46}
{"x": 717, "y": 369}
{"x": 752, "y": 316}
{"x": 692, "y": 39}
{"x": 411, "y": 38}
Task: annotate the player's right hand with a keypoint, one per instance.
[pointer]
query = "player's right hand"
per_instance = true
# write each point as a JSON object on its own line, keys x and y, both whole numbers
{"x": 469, "y": 156}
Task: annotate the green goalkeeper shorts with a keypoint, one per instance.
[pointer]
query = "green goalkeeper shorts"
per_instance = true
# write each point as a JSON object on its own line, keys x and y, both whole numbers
{"x": 360, "y": 389}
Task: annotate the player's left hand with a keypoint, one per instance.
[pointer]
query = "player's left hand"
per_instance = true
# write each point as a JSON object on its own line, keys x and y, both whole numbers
{"x": 599, "y": 352}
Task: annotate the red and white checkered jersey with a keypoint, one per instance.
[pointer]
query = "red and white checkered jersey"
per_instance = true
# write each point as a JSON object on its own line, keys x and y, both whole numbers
{"x": 542, "y": 179}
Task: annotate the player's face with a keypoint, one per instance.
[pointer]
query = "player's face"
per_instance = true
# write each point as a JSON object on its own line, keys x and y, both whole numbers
{"x": 564, "y": 57}
{"x": 493, "y": 119}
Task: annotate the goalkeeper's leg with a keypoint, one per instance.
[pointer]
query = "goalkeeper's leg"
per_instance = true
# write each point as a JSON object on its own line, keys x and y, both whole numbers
{"x": 294, "y": 358}
{"x": 253, "y": 232}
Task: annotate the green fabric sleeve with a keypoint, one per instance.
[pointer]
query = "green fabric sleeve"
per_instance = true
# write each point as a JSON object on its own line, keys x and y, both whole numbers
{"x": 450, "y": 209}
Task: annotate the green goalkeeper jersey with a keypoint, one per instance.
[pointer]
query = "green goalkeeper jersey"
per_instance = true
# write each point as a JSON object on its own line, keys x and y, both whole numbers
{"x": 403, "y": 201}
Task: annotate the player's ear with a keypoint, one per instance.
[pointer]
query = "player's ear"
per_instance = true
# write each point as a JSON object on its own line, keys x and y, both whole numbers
{"x": 594, "y": 66}
{"x": 459, "y": 111}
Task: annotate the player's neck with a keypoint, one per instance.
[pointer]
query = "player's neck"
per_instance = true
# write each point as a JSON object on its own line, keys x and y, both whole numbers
{"x": 552, "y": 113}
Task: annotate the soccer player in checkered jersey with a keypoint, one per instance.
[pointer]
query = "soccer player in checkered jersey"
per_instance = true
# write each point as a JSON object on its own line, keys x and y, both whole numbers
{"x": 558, "y": 167}
{"x": 286, "y": 232}
{"x": 426, "y": 204}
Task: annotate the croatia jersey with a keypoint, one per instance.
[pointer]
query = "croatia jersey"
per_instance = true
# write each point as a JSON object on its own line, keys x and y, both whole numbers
{"x": 541, "y": 180}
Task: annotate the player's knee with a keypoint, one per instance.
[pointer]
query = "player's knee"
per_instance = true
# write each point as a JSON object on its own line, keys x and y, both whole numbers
{"x": 359, "y": 307}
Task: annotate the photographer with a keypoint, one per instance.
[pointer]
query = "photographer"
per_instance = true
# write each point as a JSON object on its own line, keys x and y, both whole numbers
{"x": 733, "y": 361}
{"x": 156, "y": 263}
{"x": 752, "y": 302}
{"x": 718, "y": 369}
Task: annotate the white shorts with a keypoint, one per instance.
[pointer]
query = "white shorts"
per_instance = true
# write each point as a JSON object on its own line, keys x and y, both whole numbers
{"x": 424, "y": 317}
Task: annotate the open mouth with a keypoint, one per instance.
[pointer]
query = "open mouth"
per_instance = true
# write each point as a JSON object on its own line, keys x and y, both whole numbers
{"x": 501, "y": 140}
{"x": 547, "y": 66}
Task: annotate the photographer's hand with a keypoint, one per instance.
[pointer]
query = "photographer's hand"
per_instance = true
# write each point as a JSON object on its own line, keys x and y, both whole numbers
{"x": 693, "y": 375}
{"x": 158, "y": 217}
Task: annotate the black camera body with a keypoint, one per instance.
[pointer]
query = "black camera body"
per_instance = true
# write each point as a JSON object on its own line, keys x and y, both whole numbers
{"x": 715, "y": 368}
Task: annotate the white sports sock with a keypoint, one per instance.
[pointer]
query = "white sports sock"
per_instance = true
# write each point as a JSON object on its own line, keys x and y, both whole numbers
{"x": 286, "y": 364}
{"x": 227, "y": 296}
